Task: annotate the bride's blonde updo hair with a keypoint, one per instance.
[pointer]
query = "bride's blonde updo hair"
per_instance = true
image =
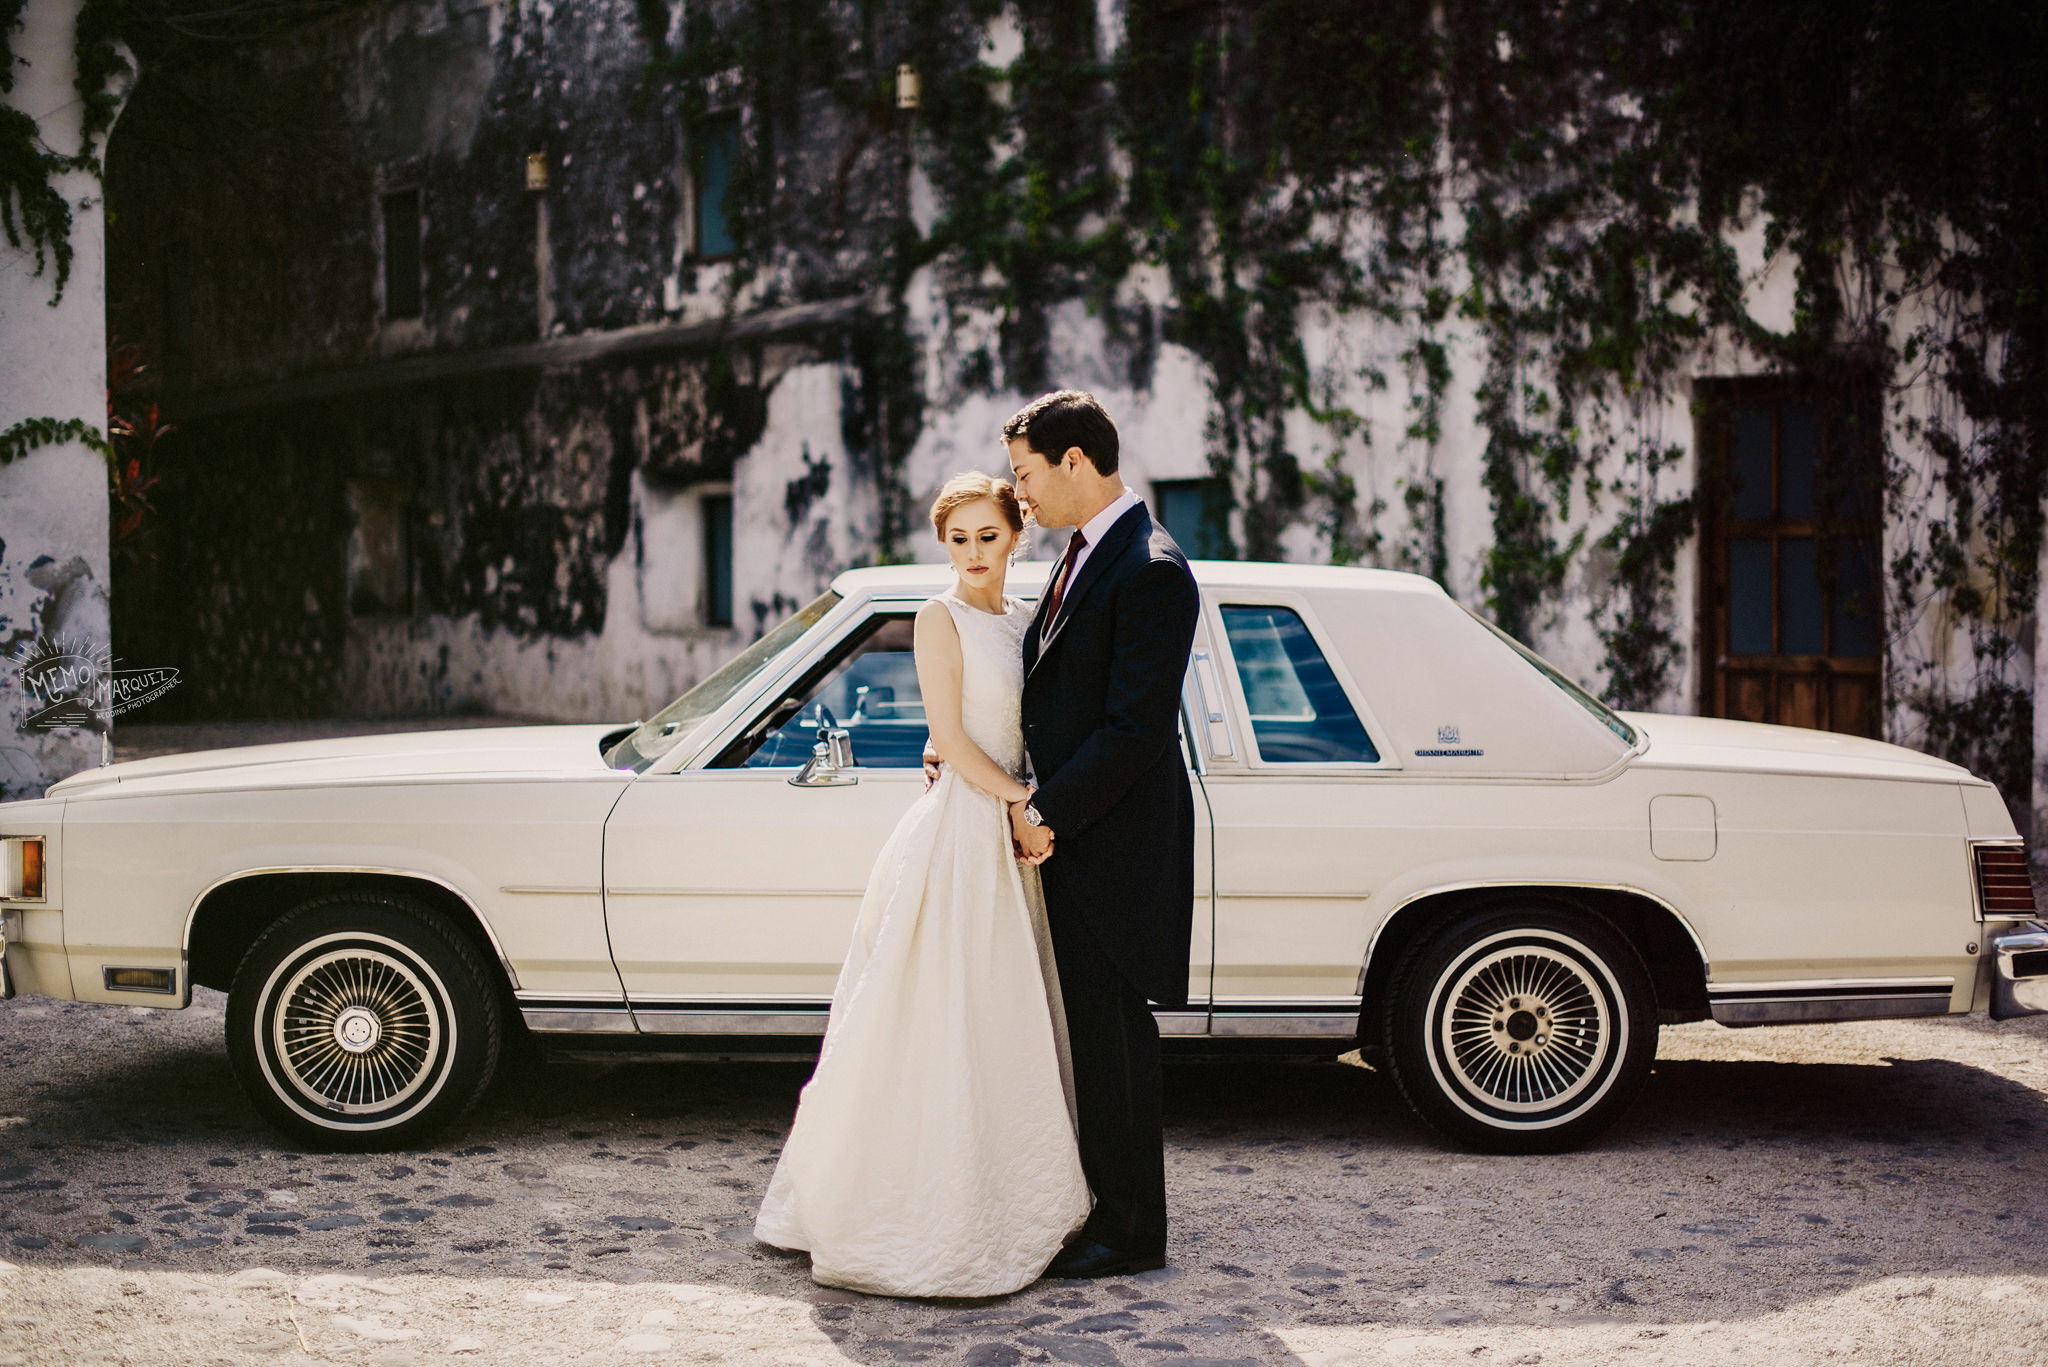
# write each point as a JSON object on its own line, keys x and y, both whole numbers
{"x": 972, "y": 487}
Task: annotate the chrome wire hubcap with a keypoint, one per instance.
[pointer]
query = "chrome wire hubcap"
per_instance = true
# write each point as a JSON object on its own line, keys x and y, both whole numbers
{"x": 1526, "y": 1029}
{"x": 355, "y": 1030}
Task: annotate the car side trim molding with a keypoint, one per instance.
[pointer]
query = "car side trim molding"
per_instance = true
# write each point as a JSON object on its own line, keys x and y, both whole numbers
{"x": 1553, "y": 884}
{"x": 798, "y": 1018}
{"x": 1295, "y": 1024}
{"x": 1829, "y": 1000}
{"x": 735, "y": 892}
{"x": 684, "y": 1020}
{"x": 577, "y": 1018}
{"x": 192, "y": 913}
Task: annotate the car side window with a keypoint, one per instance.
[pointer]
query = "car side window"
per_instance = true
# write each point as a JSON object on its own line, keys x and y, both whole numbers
{"x": 868, "y": 686}
{"x": 1299, "y": 713}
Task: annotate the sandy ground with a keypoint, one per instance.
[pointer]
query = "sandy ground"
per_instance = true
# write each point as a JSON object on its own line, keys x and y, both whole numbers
{"x": 1841, "y": 1194}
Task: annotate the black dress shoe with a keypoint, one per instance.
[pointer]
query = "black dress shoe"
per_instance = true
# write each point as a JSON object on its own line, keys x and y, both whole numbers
{"x": 1092, "y": 1258}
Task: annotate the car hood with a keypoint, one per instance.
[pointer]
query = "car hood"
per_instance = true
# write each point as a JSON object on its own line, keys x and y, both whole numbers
{"x": 1678, "y": 742}
{"x": 491, "y": 751}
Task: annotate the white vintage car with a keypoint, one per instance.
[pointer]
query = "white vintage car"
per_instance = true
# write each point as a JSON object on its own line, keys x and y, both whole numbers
{"x": 1416, "y": 838}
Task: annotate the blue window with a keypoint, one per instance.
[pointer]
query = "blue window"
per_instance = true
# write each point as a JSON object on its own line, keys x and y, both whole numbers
{"x": 1196, "y": 512}
{"x": 1299, "y": 713}
{"x": 717, "y": 145}
{"x": 718, "y": 560}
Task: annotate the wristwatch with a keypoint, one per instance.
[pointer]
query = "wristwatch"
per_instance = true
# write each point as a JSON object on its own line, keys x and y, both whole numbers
{"x": 1031, "y": 816}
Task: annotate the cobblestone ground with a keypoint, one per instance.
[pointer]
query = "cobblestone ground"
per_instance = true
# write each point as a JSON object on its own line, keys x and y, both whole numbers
{"x": 1869, "y": 1193}
{"x": 1857, "y": 1193}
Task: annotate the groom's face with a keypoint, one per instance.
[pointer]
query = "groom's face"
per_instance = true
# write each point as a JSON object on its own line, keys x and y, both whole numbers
{"x": 1048, "y": 486}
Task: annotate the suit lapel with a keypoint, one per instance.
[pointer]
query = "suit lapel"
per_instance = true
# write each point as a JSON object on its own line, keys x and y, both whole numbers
{"x": 1112, "y": 544}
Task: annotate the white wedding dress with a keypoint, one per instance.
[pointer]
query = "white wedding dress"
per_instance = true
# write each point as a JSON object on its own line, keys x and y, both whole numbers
{"x": 933, "y": 1151}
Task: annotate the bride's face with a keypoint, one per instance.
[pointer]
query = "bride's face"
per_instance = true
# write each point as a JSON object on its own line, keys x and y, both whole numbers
{"x": 978, "y": 540}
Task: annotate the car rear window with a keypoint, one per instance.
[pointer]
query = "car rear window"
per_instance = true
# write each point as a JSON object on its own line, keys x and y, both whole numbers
{"x": 1299, "y": 713}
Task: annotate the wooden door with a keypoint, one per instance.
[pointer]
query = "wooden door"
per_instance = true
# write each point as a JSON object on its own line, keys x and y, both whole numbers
{"x": 1792, "y": 607}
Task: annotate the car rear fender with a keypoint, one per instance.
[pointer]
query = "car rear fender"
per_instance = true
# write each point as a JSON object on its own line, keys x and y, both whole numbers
{"x": 1671, "y": 949}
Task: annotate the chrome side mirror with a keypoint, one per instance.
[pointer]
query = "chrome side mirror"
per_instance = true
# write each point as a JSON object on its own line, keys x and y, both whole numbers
{"x": 832, "y": 754}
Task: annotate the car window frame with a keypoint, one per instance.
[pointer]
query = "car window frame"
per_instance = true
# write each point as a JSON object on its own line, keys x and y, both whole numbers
{"x": 711, "y": 736}
{"x": 1245, "y": 735}
{"x": 905, "y": 609}
{"x": 716, "y": 731}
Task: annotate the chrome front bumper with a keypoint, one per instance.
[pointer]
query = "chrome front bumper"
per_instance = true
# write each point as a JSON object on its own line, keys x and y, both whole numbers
{"x": 2019, "y": 972}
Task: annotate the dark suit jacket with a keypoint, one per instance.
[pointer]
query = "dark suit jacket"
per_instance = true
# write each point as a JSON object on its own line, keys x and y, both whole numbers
{"x": 1101, "y": 721}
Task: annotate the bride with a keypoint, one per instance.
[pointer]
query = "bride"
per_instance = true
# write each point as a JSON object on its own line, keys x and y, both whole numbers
{"x": 933, "y": 1152}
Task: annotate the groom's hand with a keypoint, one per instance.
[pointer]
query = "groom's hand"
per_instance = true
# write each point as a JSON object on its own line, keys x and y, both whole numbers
{"x": 1035, "y": 842}
{"x": 931, "y": 766}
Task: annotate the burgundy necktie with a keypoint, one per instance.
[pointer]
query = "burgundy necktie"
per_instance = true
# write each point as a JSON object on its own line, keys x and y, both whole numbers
{"x": 1059, "y": 585}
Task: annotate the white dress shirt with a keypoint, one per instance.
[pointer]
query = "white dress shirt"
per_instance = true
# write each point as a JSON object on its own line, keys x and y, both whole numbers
{"x": 1095, "y": 528}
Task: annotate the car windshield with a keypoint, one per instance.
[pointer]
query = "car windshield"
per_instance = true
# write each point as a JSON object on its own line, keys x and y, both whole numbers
{"x": 658, "y": 735}
{"x": 1602, "y": 713}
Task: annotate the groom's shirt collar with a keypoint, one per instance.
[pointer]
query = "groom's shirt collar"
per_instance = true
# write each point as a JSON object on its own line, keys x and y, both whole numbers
{"x": 1097, "y": 527}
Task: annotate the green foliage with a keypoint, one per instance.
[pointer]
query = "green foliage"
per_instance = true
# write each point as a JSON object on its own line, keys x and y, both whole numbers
{"x": 35, "y": 216}
{"x": 1288, "y": 162}
{"x": 31, "y": 433}
{"x": 33, "y": 212}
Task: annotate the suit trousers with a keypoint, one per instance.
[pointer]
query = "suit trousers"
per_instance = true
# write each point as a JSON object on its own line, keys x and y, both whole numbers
{"x": 1115, "y": 1045}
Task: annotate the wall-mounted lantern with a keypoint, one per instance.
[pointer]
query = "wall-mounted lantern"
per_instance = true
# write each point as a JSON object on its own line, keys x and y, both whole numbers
{"x": 907, "y": 87}
{"x": 536, "y": 170}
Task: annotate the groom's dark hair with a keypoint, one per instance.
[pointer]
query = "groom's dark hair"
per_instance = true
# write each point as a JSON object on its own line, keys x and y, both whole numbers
{"x": 1052, "y": 422}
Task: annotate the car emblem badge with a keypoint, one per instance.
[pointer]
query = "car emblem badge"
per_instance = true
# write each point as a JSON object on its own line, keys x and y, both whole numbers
{"x": 1448, "y": 745}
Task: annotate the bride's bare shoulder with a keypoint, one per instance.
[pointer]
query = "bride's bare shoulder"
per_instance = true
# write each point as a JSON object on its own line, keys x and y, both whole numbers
{"x": 935, "y": 624}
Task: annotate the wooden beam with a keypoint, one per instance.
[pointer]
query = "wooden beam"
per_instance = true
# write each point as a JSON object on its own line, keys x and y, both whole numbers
{"x": 553, "y": 353}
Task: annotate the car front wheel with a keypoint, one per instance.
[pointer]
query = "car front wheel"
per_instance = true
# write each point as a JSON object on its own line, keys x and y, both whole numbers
{"x": 363, "y": 1022}
{"x": 1521, "y": 1029}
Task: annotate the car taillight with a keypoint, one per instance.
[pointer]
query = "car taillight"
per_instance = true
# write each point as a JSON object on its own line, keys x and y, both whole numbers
{"x": 2004, "y": 886}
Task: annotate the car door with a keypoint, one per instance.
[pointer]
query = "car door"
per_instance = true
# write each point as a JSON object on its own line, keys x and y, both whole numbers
{"x": 730, "y": 894}
{"x": 1289, "y": 775}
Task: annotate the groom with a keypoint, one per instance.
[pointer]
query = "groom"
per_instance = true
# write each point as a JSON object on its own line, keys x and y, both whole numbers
{"x": 1103, "y": 664}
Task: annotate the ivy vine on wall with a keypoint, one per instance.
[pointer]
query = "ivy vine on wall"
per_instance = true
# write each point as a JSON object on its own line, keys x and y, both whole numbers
{"x": 1287, "y": 163}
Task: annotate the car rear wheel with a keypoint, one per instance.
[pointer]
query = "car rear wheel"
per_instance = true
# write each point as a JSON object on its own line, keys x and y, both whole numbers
{"x": 1521, "y": 1029}
{"x": 362, "y": 1021}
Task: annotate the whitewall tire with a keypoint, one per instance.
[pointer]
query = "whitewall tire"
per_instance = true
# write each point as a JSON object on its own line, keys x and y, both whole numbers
{"x": 363, "y": 1021}
{"x": 1521, "y": 1029}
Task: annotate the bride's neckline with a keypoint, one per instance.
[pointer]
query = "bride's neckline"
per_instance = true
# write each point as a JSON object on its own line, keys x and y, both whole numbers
{"x": 950, "y": 593}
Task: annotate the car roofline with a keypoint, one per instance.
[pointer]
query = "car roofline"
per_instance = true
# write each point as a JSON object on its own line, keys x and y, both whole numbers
{"x": 927, "y": 577}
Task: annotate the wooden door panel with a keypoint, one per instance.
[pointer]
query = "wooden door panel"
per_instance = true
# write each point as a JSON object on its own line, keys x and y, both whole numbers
{"x": 1791, "y": 617}
{"x": 1799, "y": 700}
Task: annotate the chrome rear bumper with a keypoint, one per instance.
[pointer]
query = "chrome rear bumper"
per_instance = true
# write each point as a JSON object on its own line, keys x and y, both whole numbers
{"x": 2019, "y": 972}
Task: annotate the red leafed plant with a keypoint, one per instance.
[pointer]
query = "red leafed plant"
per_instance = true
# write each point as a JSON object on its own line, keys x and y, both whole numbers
{"x": 134, "y": 426}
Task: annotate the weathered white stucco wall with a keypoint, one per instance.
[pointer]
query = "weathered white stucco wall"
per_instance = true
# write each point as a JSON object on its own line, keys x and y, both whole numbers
{"x": 53, "y": 502}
